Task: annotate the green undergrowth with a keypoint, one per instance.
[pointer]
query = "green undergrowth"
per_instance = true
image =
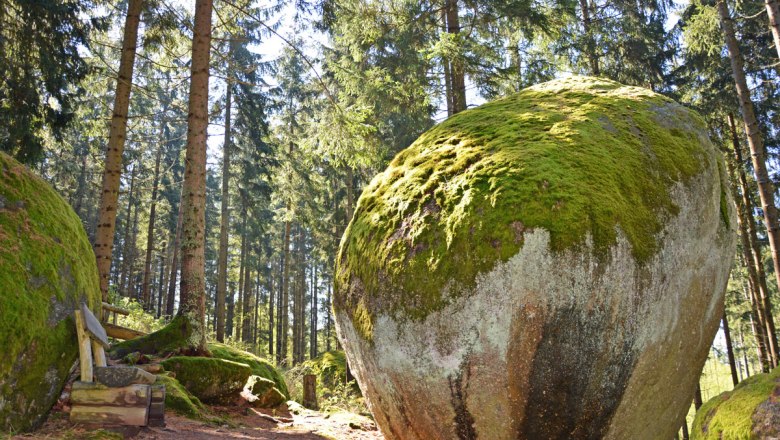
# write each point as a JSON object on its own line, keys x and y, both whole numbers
{"x": 47, "y": 268}
{"x": 575, "y": 157}
{"x": 729, "y": 416}
{"x": 181, "y": 401}
{"x": 170, "y": 339}
{"x": 260, "y": 367}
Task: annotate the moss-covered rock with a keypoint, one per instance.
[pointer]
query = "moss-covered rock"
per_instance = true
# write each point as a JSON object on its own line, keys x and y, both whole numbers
{"x": 750, "y": 411}
{"x": 47, "y": 268}
{"x": 262, "y": 393}
{"x": 548, "y": 265}
{"x": 211, "y": 380}
{"x": 260, "y": 367}
{"x": 178, "y": 399}
{"x": 330, "y": 368}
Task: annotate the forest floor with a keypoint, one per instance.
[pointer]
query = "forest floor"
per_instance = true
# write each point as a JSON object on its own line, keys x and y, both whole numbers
{"x": 230, "y": 424}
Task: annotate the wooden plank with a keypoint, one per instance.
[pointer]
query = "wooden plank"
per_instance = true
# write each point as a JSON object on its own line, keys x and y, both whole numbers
{"x": 93, "y": 326}
{"x": 85, "y": 348}
{"x": 115, "y": 309}
{"x": 109, "y": 415}
{"x": 99, "y": 354}
{"x": 130, "y": 396}
{"x": 123, "y": 333}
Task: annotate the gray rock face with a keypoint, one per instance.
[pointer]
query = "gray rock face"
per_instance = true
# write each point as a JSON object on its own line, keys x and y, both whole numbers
{"x": 552, "y": 341}
{"x": 122, "y": 376}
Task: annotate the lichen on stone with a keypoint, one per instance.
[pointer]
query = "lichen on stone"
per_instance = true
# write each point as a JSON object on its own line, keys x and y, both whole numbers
{"x": 47, "y": 268}
{"x": 578, "y": 157}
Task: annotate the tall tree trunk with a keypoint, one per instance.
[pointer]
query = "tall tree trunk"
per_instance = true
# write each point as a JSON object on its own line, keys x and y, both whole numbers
{"x": 313, "y": 321}
{"x": 224, "y": 222}
{"x": 457, "y": 72}
{"x": 133, "y": 253}
{"x": 445, "y": 61}
{"x": 104, "y": 237}
{"x": 280, "y": 298}
{"x": 744, "y": 353}
{"x": 271, "y": 295}
{"x": 126, "y": 243}
{"x": 328, "y": 319}
{"x": 152, "y": 216}
{"x": 193, "y": 293}
{"x": 284, "y": 317}
{"x": 241, "y": 272}
{"x": 590, "y": 46}
{"x": 756, "y": 144}
{"x": 171, "y": 299}
{"x": 81, "y": 188}
{"x": 730, "y": 350}
{"x": 758, "y": 334}
{"x": 160, "y": 284}
{"x": 246, "y": 307}
{"x": 754, "y": 252}
{"x": 773, "y": 11}
{"x": 231, "y": 309}
{"x": 255, "y": 314}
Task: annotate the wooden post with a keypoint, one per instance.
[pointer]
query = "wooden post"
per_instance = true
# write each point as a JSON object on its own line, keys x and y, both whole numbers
{"x": 310, "y": 391}
{"x": 85, "y": 349}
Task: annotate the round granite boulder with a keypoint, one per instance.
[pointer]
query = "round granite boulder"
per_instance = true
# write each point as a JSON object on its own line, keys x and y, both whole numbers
{"x": 550, "y": 265}
{"x": 47, "y": 268}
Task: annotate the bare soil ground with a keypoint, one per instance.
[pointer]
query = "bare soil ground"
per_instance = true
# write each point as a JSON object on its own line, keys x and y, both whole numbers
{"x": 232, "y": 423}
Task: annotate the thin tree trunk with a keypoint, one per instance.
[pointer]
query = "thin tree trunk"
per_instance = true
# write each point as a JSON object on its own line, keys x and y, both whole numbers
{"x": 193, "y": 293}
{"x": 246, "y": 331}
{"x": 241, "y": 273}
{"x": 328, "y": 319}
{"x": 231, "y": 310}
{"x": 590, "y": 47}
{"x": 126, "y": 243}
{"x": 224, "y": 223}
{"x": 280, "y": 298}
{"x": 133, "y": 253}
{"x": 445, "y": 61}
{"x": 758, "y": 153}
{"x": 104, "y": 237}
{"x": 458, "y": 80}
{"x": 764, "y": 303}
{"x": 730, "y": 350}
{"x": 160, "y": 284}
{"x": 255, "y": 314}
{"x": 171, "y": 299}
{"x": 773, "y": 12}
{"x": 152, "y": 216}
{"x": 82, "y": 183}
{"x": 758, "y": 334}
{"x": 313, "y": 321}
{"x": 271, "y": 295}
{"x": 744, "y": 354}
{"x": 284, "y": 318}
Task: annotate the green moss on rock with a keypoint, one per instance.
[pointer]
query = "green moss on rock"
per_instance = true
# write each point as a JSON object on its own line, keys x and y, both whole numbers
{"x": 47, "y": 268}
{"x": 750, "y": 411}
{"x": 331, "y": 368}
{"x": 576, "y": 157}
{"x": 170, "y": 339}
{"x": 260, "y": 367}
{"x": 211, "y": 380}
{"x": 178, "y": 399}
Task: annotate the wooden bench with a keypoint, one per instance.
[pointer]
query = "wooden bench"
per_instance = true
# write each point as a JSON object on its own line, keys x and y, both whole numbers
{"x": 116, "y": 395}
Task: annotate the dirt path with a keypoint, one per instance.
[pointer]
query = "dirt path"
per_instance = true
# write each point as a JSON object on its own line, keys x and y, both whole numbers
{"x": 307, "y": 425}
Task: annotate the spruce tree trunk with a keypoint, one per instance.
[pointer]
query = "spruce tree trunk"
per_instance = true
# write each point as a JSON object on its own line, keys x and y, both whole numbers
{"x": 754, "y": 252}
{"x": 730, "y": 350}
{"x": 160, "y": 284}
{"x": 246, "y": 330}
{"x": 590, "y": 44}
{"x": 106, "y": 224}
{"x": 445, "y": 61}
{"x": 313, "y": 321}
{"x": 171, "y": 298}
{"x": 328, "y": 319}
{"x": 132, "y": 254}
{"x": 458, "y": 76}
{"x": 126, "y": 243}
{"x": 145, "y": 292}
{"x": 271, "y": 295}
{"x": 241, "y": 273}
{"x": 758, "y": 153}
{"x": 280, "y": 298}
{"x": 773, "y": 12}
{"x": 193, "y": 288}
{"x": 224, "y": 223}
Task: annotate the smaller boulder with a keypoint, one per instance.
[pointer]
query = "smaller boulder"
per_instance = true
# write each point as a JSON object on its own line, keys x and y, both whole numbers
{"x": 179, "y": 400}
{"x": 211, "y": 380}
{"x": 751, "y": 410}
{"x": 262, "y": 393}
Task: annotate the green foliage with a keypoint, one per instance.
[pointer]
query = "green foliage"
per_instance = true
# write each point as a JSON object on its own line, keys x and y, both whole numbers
{"x": 47, "y": 269}
{"x": 730, "y": 414}
{"x": 260, "y": 367}
{"x": 576, "y": 157}
{"x": 138, "y": 319}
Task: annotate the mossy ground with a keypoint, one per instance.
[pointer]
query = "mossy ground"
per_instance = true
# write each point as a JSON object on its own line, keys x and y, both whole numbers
{"x": 729, "y": 416}
{"x": 46, "y": 268}
{"x": 576, "y": 157}
{"x": 259, "y": 366}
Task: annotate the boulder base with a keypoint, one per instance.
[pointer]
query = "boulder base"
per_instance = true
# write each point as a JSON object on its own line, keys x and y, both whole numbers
{"x": 550, "y": 265}
{"x": 47, "y": 268}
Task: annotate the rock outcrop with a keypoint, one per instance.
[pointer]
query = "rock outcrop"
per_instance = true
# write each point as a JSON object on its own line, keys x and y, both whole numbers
{"x": 548, "y": 265}
{"x": 750, "y": 411}
{"x": 47, "y": 268}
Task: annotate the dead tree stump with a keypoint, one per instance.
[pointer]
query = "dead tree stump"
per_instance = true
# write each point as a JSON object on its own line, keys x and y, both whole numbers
{"x": 310, "y": 391}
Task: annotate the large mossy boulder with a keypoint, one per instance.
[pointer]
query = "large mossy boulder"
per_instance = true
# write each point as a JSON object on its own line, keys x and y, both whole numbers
{"x": 550, "y": 265}
{"x": 47, "y": 268}
{"x": 750, "y": 411}
{"x": 211, "y": 380}
{"x": 260, "y": 367}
